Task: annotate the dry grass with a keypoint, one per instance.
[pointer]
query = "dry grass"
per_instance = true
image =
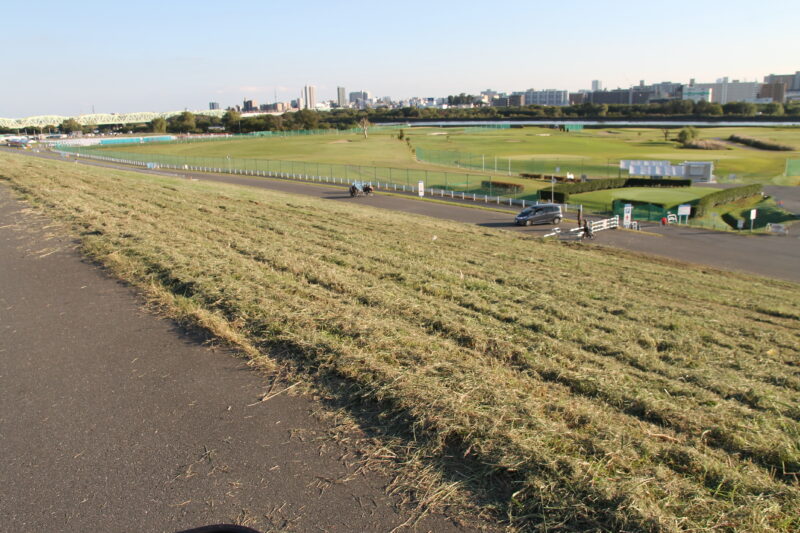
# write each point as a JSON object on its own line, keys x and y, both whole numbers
{"x": 595, "y": 390}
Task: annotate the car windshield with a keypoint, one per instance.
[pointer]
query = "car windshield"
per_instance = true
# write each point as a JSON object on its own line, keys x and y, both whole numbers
{"x": 526, "y": 211}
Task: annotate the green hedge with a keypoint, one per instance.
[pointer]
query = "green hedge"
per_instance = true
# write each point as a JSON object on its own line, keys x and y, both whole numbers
{"x": 504, "y": 186}
{"x": 563, "y": 191}
{"x": 558, "y": 196}
{"x": 758, "y": 143}
{"x": 725, "y": 196}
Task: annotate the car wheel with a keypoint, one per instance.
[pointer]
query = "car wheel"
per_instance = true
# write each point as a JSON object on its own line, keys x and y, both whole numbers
{"x": 556, "y": 220}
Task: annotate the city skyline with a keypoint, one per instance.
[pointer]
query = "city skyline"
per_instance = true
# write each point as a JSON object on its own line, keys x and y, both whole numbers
{"x": 415, "y": 51}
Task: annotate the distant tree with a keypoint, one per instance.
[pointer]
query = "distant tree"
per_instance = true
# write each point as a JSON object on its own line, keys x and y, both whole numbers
{"x": 707, "y": 109}
{"x": 363, "y": 123}
{"x": 665, "y": 132}
{"x": 70, "y": 125}
{"x": 231, "y": 120}
{"x": 687, "y": 135}
{"x": 306, "y": 119}
{"x": 183, "y": 123}
{"x": 158, "y": 125}
{"x": 602, "y": 110}
{"x": 775, "y": 109}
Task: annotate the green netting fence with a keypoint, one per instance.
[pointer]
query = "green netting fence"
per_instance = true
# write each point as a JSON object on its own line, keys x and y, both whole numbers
{"x": 641, "y": 211}
{"x": 483, "y": 128}
{"x": 477, "y": 187}
{"x": 793, "y": 167}
{"x": 541, "y": 168}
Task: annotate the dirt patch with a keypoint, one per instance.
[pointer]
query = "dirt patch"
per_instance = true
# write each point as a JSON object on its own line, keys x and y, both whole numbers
{"x": 340, "y": 141}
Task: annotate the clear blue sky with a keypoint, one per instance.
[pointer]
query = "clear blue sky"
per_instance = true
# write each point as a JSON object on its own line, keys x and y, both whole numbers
{"x": 65, "y": 57}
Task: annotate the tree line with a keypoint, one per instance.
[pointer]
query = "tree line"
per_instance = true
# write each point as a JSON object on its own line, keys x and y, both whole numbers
{"x": 234, "y": 122}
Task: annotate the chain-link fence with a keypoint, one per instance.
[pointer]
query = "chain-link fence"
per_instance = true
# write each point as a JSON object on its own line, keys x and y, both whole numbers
{"x": 533, "y": 167}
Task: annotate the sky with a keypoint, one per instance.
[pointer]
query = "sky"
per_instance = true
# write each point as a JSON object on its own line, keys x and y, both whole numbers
{"x": 69, "y": 58}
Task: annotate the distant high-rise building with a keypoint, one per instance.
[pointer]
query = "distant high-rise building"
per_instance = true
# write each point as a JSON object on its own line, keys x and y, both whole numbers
{"x": 360, "y": 98}
{"x": 597, "y": 85}
{"x": 341, "y": 97}
{"x": 213, "y": 105}
{"x": 309, "y": 97}
{"x": 250, "y": 106}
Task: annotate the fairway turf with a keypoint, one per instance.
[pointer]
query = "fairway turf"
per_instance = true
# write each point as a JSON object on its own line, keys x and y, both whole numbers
{"x": 597, "y": 151}
{"x": 569, "y": 388}
{"x": 593, "y": 151}
{"x": 669, "y": 198}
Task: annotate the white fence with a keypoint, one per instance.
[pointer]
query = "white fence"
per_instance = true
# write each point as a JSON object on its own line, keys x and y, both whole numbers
{"x": 432, "y": 192}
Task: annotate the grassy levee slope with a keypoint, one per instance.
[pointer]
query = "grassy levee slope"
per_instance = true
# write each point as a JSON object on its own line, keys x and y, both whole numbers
{"x": 597, "y": 390}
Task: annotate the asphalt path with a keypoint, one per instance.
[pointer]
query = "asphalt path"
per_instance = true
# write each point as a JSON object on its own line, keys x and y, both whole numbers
{"x": 112, "y": 419}
{"x": 766, "y": 255}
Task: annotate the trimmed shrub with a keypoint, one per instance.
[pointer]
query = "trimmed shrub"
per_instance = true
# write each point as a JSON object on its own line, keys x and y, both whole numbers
{"x": 503, "y": 186}
{"x": 566, "y": 189}
{"x": 557, "y": 197}
{"x": 725, "y": 196}
{"x": 761, "y": 145}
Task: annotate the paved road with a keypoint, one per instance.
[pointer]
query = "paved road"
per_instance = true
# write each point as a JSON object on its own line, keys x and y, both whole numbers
{"x": 789, "y": 197}
{"x": 112, "y": 419}
{"x": 766, "y": 255}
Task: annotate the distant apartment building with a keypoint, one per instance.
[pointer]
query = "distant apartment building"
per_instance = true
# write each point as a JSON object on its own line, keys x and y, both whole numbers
{"x": 341, "y": 97}
{"x": 695, "y": 94}
{"x": 249, "y": 106}
{"x": 597, "y": 85}
{"x": 615, "y": 96}
{"x": 551, "y": 97}
{"x": 213, "y": 105}
{"x": 775, "y": 92}
{"x": 511, "y": 100}
{"x": 792, "y": 81}
{"x": 577, "y": 98}
{"x": 488, "y": 95}
{"x": 724, "y": 91}
{"x": 309, "y": 97}
{"x": 666, "y": 90}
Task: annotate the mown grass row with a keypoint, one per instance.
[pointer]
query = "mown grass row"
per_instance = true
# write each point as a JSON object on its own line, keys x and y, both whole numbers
{"x": 613, "y": 391}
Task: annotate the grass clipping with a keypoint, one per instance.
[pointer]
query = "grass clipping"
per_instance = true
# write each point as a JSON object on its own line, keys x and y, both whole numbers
{"x": 598, "y": 390}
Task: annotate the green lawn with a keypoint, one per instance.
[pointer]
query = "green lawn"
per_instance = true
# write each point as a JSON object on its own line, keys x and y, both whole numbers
{"x": 597, "y": 151}
{"x": 457, "y": 160}
{"x": 669, "y": 198}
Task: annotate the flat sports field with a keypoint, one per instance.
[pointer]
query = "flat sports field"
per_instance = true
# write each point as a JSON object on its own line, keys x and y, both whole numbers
{"x": 595, "y": 152}
{"x": 602, "y": 200}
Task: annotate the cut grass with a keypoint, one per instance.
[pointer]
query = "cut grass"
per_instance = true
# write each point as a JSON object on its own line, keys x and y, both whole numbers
{"x": 601, "y": 390}
{"x": 669, "y": 198}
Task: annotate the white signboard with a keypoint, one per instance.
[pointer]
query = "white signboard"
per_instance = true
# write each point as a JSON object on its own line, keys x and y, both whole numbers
{"x": 626, "y": 217}
{"x": 753, "y": 213}
{"x": 421, "y": 188}
{"x": 684, "y": 209}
